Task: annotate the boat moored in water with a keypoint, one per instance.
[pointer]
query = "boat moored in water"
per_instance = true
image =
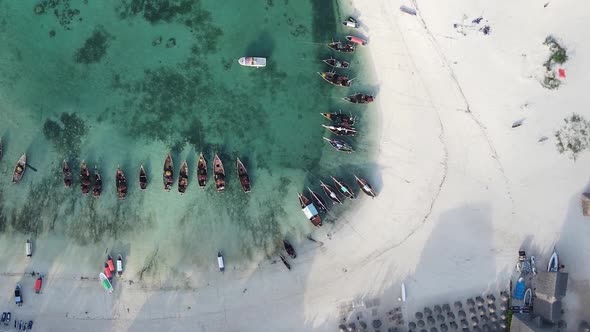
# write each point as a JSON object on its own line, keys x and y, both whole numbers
{"x": 289, "y": 249}
{"x": 335, "y": 79}
{"x": 359, "y": 98}
{"x": 67, "y": 174}
{"x": 318, "y": 201}
{"x": 339, "y": 47}
{"x": 84, "y": 178}
{"x": 351, "y": 23}
{"x": 356, "y": 40}
{"x": 183, "y": 178}
{"x": 337, "y": 63}
{"x": 19, "y": 169}
{"x": 365, "y": 186}
{"x": 202, "y": 171}
{"x": 344, "y": 188}
{"x": 341, "y": 130}
{"x": 331, "y": 193}
{"x": 252, "y": 61}
{"x": 218, "y": 173}
{"x": 168, "y": 175}
{"x": 121, "y": 183}
{"x": 142, "y": 178}
{"x": 340, "y": 119}
{"x": 243, "y": 176}
{"x": 309, "y": 210}
{"x": 97, "y": 189}
{"x": 339, "y": 145}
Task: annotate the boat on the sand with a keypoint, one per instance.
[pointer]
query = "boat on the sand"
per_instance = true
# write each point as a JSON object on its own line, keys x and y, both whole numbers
{"x": 318, "y": 200}
{"x": 142, "y": 178}
{"x": 85, "y": 181}
{"x": 97, "y": 189}
{"x": 331, "y": 193}
{"x": 289, "y": 249}
{"x": 252, "y": 61}
{"x": 285, "y": 261}
{"x": 339, "y": 47}
{"x": 335, "y": 79}
{"x": 351, "y": 23}
{"x": 340, "y": 119}
{"x": 344, "y": 188}
{"x": 183, "y": 178}
{"x": 220, "y": 262}
{"x": 336, "y": 63}
{"x": 519, "y": 289}
{"x": 121, "y": 183}
{"x": 218, "y": 173}
{"x": 365, "y": 186}
{"x": 356, "y": 40}
{"x": 202, "y": 171}
{"x": 19, "y": 169}
{"x": 107, "y": 271}
{"x": 553, "y": 265}
{"x": 243, "y": 176}
{"x": 39, "y": 284}
{"x": 309, "y": 210}
{"x": 359, "y": 98}
{"x": 110, "y": 263}
{"x": 67, "y": 174}
{"x": 340, "y": 130}
{"x": 339, "y": 145}
{"x": 105, "y": 282}
{"x": 119, "y": 265}
{"x": 168, "y": 174}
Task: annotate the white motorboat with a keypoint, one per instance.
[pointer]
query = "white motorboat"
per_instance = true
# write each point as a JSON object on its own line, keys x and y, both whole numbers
{"x": 252, "y": 61}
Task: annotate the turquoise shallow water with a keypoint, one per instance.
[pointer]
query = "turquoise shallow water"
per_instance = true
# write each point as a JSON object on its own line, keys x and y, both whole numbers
{"x": 125, "y": 82}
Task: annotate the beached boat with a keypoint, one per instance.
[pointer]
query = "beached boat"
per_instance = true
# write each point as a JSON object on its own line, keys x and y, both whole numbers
{"x": 67, "y": 174}
{"x": 19, "y": 169}
{"x": 365, "y": 186}
{"x": 339, "y": 145}
{"x": 335, "y": 79}
{"x": 309, "y": 210}
{"x": 331, "y": 193}
{"x": 110, "y": 263}
{"x": 553, "y": 265}
{"x": 97, "y": 189}
{"x": 38, "y": 284}
{"x": 243, "y": 176}
{"x": 344, "y": 188}
{"x": 340, "y": 119}
{"x": 340, "y": 130}
{"x": 168, "y": 175}
{"x": 341, "y": 64}
{"x": 285, "y": 261}
{"x": 119, "y": 265}
{"x": 183, "y": 178}
{"x": 318, "y": 201}
{"x": 105, "y": 282}
{"x": 107, "y": 271}
{"x": 202, "y": 171}
{"x": 220, "y": 262}
{"x": 351, "y": 23}
{"x": 252, "y": 61}
{"x": 359, "y": 98}
{"x": 85, "y": 180}
{"x": 142, "y": 178}
{"x": 218, "y": 173}
{"x": 289, "y": 249}
{"x": 121, "y": 183}
{"x": 356, "y": 40}
{"x": 339, "y": 47}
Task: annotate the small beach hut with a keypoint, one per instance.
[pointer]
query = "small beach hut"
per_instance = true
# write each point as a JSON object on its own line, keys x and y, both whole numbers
{"x": 444, "y": 327}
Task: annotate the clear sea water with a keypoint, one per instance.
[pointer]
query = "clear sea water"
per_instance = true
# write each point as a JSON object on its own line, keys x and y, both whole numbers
{"x": 126, "y": 82}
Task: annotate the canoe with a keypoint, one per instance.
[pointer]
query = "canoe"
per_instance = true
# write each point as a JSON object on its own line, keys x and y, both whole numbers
{"x": 331, "y": 193}
{"x": 218, "y": 173}
{"x": 121, "y": 183}
{"x": 340, "y": 119}
{"x": 341, "y": 64}
{"x": 344, "y": 188}
{"x": 105, "y": 282}
{"x": 202, "y": 171}
{"x": 110, "y": 263}
{"x": 85, "y": 181}
{"x": 339, "y": 47}
{"x": 335, "y": 79}
{"x": 365, "y": 186}
{"x": 553, "y": 265}
{"x": 309, "y": 210}
{"x": 341, "y": 130}
{"x": 289, "y": 249}
{"x": 318, "y": 201}
{"x": 183, "y": 178}
{"x": 142, "y": 178}
{"x": 339, "y": 145}
{"x": 168, "y": 174}
{"x": 285, "y": 261}
{"x": 359, "y": 98}
{"x": 356, "y": 40}
{"x": 252, "y": 61}
{"x": 119, "y": 265}
{"x": 67, "y": 174}
{"x": 29, "y": 248}
{"x": 243, "y": 176}
{"x": 97, "y": 189}
{"x": 19, "y": 169}
{"x": 107, "y": 271}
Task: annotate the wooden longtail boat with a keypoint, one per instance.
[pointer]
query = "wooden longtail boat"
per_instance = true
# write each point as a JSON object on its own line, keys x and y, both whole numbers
{"x": 344, "y": 188}
{"x": 67, "y": 174}
{"x": 339, "y": 47}
{"x": 97, "y": 189}
{"x": 168, "y": 175}
{"x": 359, "y": 98}
{"x": 339, "y": 145}
{"x": 202, "y": 171}
{"x": 318, "y": 201}
{"x": 340, "y": 119}
{"x": 336, "y": 63}
{"x": 356, "y": 40}
{"x": 218, "y": 173}
{"x": 341, "y": 130}
{"x": 183, "y": 178}
{"x": 335, "y": 79}
{"x": 19, "y": 169}
{"x": 243, "y": 176}
{"x": 289, "y": 249}
{"x": 85, "y": 180}
{"x": 121, "y": 183}
{"x": 331, "y": 193}
{"x": 142, "y": 178}
{"x": 309, "y": 210}
{"x": 365, "y": 186}
{"x": 351, "y": 23}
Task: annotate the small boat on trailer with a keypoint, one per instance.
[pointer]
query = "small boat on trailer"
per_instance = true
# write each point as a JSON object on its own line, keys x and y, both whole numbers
{"x": 218, "y": 173}
{"x": 202, "y": 171}
{"x": 341, "y": 64}
{"x": 359, "y": 98}
{"x": 339, "y": 47}
{"x": 335, "y": 79}
{"x": 351, "y": 23}
{"x": 67, "y": 174}
{"x": 356, "y": 40}
{"x": 168, "y": 175}
{"x": 365, "y": 186}
{"x": 339, "y": 145}
{"x": 252, "y": 61}
{"x": 243, "y": 176}
{"x": 309, "y": 210}
{"x": 121, "y": 183}
{"x": 318, "y": 201}
{"x": 120, "y": 265}
{"x": 340, "y": 119}
{"x": 19, "y": 169}
{"x": 183, "y": 178}
{"x": 553, "y": 265}
{"x": 341, "y": 130}
{"x": 97, "y": 189}
{"x": 331, "y": 193}
{"x": 289, "y": 249}
{"x": 105, "y": 282}
{"x": 84, "y": 178}
{"x": 142, "y": 178}
{"x": 344, "y": 188}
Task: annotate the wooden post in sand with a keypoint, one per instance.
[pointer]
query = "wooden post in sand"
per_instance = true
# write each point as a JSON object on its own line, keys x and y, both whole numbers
{"x": 586, "y": 204}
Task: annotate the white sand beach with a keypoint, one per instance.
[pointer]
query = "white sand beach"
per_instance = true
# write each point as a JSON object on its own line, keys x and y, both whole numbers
{"x": 460, "y": 190}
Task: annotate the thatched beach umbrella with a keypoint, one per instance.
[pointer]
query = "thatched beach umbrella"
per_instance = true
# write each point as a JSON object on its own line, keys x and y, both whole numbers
{"x": 430, "y": 320}
{"x": 377, "y": 323}
{"x": 484, "y": 319}
{"x": 427, "y": 311}
{"x": 495, "y": 327}
{"x": 503, "y": 316}
{"x": 434, "y": 329}
{"x": 474, "y": 321}
{"x": 419, "y": 315}
{"x": 412, "y": 325}
{"x": 437, "y": 309}
{"x": 352, "y": 327}
{"x": 464, "y": 324}
{"x": 491, "y": 299}
{"x": 476, "y": 329}
{"x": 503, "y": 307}
{"x": 458, "y": 305}
{"x": 446, "y": 307}
{"x": 462, "y": 314}
{"x": 363, "y": 325}
{"x": 479, "y": 300}
{"x": 504, "y": 297}
{"x": 440, "y": 318}
{"x": 492, "y": 308}
{"x": 503, "y": 325}
{"x": 472, "y": 311}
{"x": 481, "y": 311}
{"x": 450, "y": 315}
{"x": 421, "y": 323}
{"x": 444, "y": 327}
{"x": 342, "y": 328}
{"x": 470, "y": 302}
{"x": 454, "y": 325}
